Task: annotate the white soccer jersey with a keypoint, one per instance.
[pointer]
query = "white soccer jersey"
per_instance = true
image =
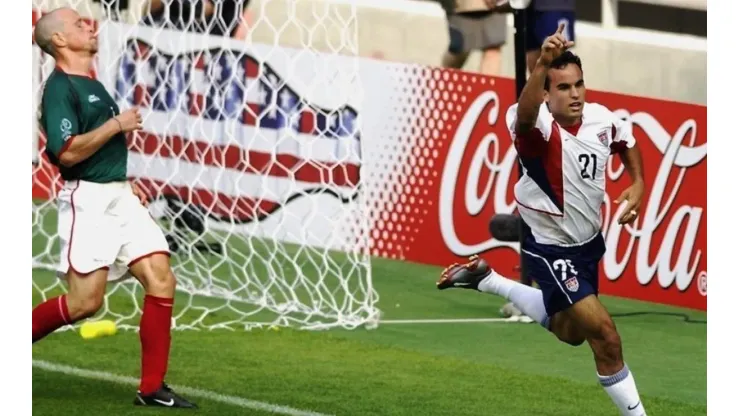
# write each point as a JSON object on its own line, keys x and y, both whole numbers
{"x": 562, "y": 189}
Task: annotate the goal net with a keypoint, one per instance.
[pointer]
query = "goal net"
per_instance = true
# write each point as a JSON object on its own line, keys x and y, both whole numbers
{"x": 251, "y": 153}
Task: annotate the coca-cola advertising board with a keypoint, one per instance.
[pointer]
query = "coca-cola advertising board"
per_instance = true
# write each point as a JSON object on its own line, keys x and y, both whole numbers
{"x": 435, "y": 158}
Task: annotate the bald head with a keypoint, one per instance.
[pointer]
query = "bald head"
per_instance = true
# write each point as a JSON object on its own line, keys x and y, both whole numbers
{"x": 63, "y": 28}
{"x": 46, "y": 27}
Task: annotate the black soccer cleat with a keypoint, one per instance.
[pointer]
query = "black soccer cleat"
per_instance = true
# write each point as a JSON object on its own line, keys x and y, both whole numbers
{"x": 466, "y": 276}
{"x": 164, "y": 397}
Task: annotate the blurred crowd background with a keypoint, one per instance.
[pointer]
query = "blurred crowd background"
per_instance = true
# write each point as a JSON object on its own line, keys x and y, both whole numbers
{"x": 654, "y": 48}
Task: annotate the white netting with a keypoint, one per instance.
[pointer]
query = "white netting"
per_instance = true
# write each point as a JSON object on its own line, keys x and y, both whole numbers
{"x": 251, "y": 152}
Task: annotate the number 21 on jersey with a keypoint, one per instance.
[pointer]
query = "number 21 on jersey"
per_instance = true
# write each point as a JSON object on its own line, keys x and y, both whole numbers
{"x": 588, "y": 165}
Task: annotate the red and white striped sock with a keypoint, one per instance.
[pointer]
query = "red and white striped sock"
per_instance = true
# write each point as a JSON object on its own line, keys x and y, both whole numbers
{"x": 50, "y": 316}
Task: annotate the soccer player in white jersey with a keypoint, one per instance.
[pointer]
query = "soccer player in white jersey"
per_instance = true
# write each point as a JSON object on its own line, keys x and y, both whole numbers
{"x": 563, "y": 144}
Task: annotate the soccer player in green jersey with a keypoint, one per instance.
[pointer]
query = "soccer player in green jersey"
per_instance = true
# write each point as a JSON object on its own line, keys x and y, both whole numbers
{"x": 106, "y": 231}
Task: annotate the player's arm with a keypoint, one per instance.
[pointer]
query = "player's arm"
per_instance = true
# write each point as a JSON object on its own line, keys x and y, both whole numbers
{"x": 62, "y": 126}
{"x": 632, "y": 160}
{"x": 531, "y": 99}
{"x": 532, "y": 95}
{"x": 80, "y": 147}
{"x": 625, "y": 145}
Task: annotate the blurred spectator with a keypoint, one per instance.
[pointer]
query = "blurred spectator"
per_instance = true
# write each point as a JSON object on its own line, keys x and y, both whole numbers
{"x": 473, "y": 25}
{"x": 217, "y": 17}
{"x": 230, "y": 18}
{"x": 113, "y": 9}
{"x": 187, "y": 15}
{"x": 543, "y": 18}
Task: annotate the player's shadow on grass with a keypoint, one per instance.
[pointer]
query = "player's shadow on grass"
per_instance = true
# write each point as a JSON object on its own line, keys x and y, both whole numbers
{"x": 686, "y": 318}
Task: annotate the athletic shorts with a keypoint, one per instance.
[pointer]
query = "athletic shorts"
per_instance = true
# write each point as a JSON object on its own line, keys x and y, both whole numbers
{"x": 476, "y": 33}
{"x": 565, "y": 274}
{"x": 104, "y": 226}
{"x": 541, "y": 24}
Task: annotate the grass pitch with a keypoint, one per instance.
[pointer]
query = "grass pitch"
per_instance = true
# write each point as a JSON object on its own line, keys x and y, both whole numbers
{"x": 397, "y": 369}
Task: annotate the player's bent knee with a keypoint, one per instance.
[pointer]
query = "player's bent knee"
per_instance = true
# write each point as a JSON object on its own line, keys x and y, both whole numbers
{"x": 607, "y": 344}
{"x": 612, "y": 341}
{"x": 83, "y": 307}
{"x": 567, "y": 332}
{"x": 156, "y": 275}
{"x": 608, "y": 332}
{"x": 86, "y": 293}
{"x": 573, "y": 341}
{"x": 160, "y": 280}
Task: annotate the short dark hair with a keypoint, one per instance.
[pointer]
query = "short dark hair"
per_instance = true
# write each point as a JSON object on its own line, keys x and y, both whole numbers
{"x": 561, "y": 62}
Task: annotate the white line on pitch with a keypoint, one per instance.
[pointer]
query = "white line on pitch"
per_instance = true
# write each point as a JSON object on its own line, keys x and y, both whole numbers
{"x": 186, "y": 391}
{"x": 450, "y": 321}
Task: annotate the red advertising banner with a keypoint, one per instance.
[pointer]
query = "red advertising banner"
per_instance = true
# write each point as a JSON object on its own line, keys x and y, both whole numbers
{"x": 660, "y": 258}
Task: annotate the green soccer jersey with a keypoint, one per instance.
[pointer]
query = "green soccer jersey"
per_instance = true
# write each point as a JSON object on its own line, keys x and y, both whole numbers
{"x": 73, "y": 105}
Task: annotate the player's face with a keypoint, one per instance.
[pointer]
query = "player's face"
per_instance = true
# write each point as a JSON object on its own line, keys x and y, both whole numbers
{"x": 79, "y": 34}
{"x": 567, "y": 92}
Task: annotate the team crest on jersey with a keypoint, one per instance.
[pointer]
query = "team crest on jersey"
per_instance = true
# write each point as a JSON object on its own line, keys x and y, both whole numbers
{"x": 572, "y": 284}
{"x": 66, "y": 127}
{"x": 604, "y": 138}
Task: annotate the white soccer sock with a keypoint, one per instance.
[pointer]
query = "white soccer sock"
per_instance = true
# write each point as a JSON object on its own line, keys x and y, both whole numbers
{"x": 623, "y": 391}
{"x": 526, "y": 298}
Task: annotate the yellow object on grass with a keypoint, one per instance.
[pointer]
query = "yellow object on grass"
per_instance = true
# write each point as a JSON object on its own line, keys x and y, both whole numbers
{"x": 97, "y": 329}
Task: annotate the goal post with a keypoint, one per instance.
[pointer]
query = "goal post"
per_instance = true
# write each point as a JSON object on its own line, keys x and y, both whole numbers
{"x": 252, "y": 154}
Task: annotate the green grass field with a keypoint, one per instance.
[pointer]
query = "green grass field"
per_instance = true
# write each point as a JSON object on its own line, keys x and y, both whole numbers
{"x": 397, "y": 369}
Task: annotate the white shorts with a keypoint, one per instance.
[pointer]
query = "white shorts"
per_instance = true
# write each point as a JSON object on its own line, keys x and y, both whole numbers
{"x": 105, "y": 226}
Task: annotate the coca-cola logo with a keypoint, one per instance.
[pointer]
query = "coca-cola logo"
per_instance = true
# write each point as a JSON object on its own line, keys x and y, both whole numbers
{"x": 661, "y": 242}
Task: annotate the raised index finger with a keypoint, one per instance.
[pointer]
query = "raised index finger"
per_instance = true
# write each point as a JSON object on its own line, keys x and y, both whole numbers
{"x": 561, "y": 28}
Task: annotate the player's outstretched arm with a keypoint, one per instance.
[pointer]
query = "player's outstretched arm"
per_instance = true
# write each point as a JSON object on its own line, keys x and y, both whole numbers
{"x": 531, "y": 99}
{"x": 532, "y": 94}
{"x": 84, "y": 145}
